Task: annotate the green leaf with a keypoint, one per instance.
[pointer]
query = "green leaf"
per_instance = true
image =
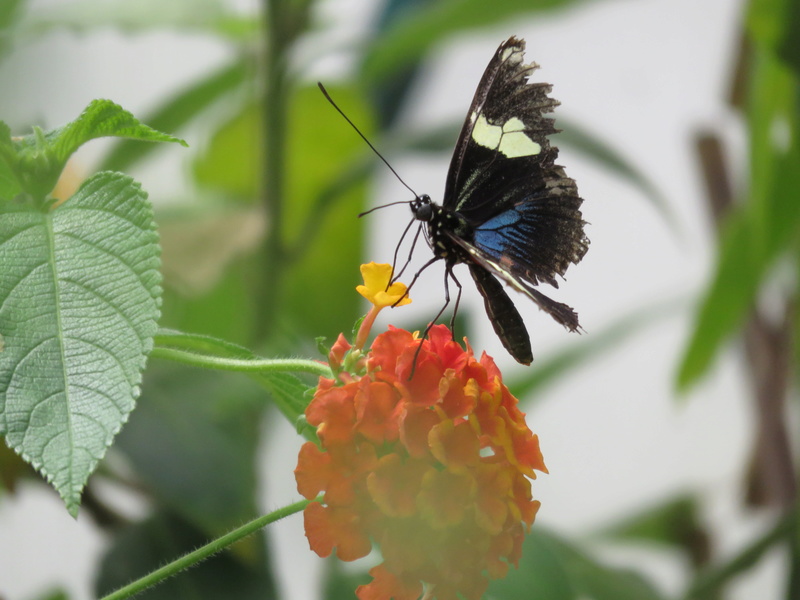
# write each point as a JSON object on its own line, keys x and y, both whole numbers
{"x": 9, "y": 186}
{"x": 179, "y": 110}
{"x": 100, "y": 119}
{"x": 775, "y": 24}
{"x": 325, "y": 194}
{"x": 553, "y": 569}
{"x": 675, "y": 522}
{"x": 10, "y": 11}
{"x": 232, "y": 159}
{"x": 209, "y": 16}
{"x": 38, "y": 159}
{"x": 79, "y": 296}
{"x": 760, "y": 230}
{"x": 56, "y": 594}
{"x": 412, "y": 37}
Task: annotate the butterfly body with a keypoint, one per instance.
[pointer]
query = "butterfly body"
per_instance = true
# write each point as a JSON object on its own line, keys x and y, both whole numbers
{"x": 508, "y": 211}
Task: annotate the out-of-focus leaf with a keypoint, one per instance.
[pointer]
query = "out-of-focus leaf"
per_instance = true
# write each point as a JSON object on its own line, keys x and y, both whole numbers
{"x": 192, "y": 440}
{"x": 710, "y": 582}
{"x": 206, "y": 250}
{"x": 10, "y": 11}
{"x": 595, "y": 148}
{"x": 775, "y": 24}
{"x": 413, "y": 35}
{"x": 320, "y": 293}
{"x": 241, "y": 574}
{"x": 675, "y": 523}
{"x": 545, "y": 371}
{"x": 200, "y": 243}
{"x": 389, "y": 95}
{"x": 54, "y": 595}
{"x": 289, "y": 393}
{"x": 179, "y": 110}
{"x": 231, "y": 162}
{"x": 339, "y": 583}
{"x": 759, "y": 230}
{"x": 209, "y": 16}
{"x": 12, "y": 469}
{"x": 79, "y": 294}
{"x": 553, "y": 569}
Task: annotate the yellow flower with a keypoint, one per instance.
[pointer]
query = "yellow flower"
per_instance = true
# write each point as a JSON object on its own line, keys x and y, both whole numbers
{"x": 376, "y": 286}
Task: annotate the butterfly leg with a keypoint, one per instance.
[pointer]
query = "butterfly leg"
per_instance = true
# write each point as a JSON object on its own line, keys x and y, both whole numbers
{"x": 449, "y": 273}
{"x": 396, "y": 252}
{"x": 414, "y": 280}
{"x": 396, "y": 276}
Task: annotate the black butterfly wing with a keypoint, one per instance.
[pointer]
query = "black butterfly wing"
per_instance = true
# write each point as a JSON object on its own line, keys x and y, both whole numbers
{"x": 505, "y": 318}
{"x": 523, "y": 209}
{"x": 562, "y": 313}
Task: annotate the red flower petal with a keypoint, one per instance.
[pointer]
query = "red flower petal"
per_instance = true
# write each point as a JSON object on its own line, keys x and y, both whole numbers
{"x": 376, "y": 406}
{"x": 329, "y": 527}
{"x": 455, "y": 446}
{"x": 385, "y": 585}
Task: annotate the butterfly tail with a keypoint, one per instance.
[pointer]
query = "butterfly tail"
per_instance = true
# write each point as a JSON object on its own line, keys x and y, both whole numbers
{"x": 562, "y": 313}
{"x": 505, "y": 318}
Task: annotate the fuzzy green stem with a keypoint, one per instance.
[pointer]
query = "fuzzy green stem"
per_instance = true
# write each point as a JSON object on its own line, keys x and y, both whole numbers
{"x": 244, "y": 365}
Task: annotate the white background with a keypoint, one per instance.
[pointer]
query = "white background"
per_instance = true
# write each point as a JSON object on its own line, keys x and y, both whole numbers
{"x": 645, "y": 76}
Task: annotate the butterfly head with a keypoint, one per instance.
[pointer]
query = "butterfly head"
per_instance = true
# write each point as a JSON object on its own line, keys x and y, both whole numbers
{"x": 422, "y": 208}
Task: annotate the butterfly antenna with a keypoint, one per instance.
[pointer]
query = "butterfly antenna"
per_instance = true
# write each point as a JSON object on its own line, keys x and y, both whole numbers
{"x": 363, "y": 137}
{"x": 374, "y": 208}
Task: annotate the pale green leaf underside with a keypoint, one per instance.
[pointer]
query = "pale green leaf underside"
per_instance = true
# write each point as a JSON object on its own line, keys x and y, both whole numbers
{"x": 79, "y": 296}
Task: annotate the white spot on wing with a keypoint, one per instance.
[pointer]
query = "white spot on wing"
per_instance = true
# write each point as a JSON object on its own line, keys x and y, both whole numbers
{"x": 510, "y": 139}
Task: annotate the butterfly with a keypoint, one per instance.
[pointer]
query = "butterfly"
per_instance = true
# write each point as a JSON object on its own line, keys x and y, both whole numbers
{"x": 508, "y": 211}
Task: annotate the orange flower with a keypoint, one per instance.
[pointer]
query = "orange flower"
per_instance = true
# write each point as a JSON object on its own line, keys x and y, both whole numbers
{"x": 433, "y": 468}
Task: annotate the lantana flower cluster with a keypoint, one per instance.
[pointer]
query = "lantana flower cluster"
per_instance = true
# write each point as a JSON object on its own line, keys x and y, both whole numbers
{"x": 423, "y": 452}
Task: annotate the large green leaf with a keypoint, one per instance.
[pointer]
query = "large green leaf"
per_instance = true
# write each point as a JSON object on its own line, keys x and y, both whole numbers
{"x": 79, "y": 296}
{"x": 411, "y": 37}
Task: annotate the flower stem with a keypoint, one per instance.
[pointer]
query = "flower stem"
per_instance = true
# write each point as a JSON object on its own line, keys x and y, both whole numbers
{"x": 192, "y": 558}
{"x": 243, "y": 365}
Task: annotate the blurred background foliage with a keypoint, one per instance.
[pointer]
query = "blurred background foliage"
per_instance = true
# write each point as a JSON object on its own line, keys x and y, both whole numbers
{"x": 265, "y": 252}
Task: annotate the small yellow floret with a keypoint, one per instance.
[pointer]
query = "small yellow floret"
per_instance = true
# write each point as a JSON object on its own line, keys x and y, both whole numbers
{"x": 376, "y": 279}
